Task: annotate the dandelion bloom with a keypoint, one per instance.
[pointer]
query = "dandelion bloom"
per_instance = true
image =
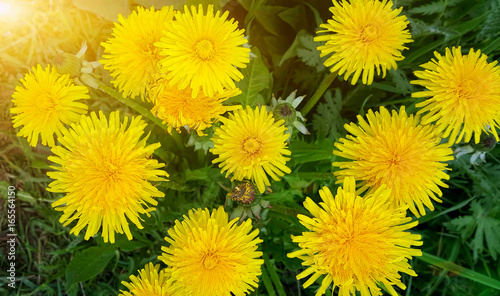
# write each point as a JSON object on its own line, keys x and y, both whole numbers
{"x": 203, "y": 50}
{"x": 177, "y": 108}
{"x": 210, "y": 255}
{"x": 151, "y": 281}
{"x": 104, "y": 169}
{"x": 398, "y": 152}
{"x": 356, "y": 242}
{"x": 465, "y": 94}
{"x": 46, "y": 102}
{"x": 249, "y": 144}
{"x": 130, "y": 55}
{"x": 364, "y": 35}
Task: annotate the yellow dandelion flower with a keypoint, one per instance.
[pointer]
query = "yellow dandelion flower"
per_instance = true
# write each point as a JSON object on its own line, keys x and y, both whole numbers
{"x": 398, "y": 152}
{"x": 465, "y": 94}
{"x": 365, "y": 35}
{"x": 356, "y": 242}
{"x": 212, "y": 256}
{"x": 150, "y": 282}
{"x": 177, "y": 108}
{"x": 104, "y": 167}
{"x": 203, "y": 50}
{"x": 249, "y": 144}
{"x": 130, "y": 55}
{"x": 46, "y": 102}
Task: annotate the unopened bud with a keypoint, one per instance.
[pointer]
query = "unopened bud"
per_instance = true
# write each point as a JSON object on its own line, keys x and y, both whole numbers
{"x": 67, "y": 63}
{"x": 286, "y": 112}
{"x": 486, "y": 143}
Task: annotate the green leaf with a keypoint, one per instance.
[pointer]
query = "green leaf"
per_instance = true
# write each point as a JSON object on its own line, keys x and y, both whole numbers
{"x": 89, "y": 263}
{"x": 266, "y": 15}
{"x": 491, "y": 26}
{"x": 256, "y": 79}
{"x": 295, "y": 17}
{"x": 267, "y": 282}
{"x": 292, "y": 50}
{"x": 431, "y": 8}
{"x": 328, "y": 121}
{"x": 303, "y": 152}
{"x": 459, "y": 270}
{"x": 401, "y": 81}
{"x": 309, "y": 54}
{"x": 274, "y": 275}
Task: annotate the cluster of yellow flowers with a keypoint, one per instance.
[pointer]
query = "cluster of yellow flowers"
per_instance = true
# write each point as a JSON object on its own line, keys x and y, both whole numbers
{"x": 185, "y": 64}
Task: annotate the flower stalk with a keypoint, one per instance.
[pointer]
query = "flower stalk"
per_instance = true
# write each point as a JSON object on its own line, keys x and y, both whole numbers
{"x": 319, "y": 93}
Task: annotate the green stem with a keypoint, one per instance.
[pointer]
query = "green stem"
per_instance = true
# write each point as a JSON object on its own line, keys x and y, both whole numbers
{"x": 319, "y": 93}
{"x": 141, "y": 110}
{"x": 459, "y": 270}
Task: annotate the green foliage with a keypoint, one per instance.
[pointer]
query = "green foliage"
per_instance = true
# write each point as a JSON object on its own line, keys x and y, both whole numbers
{"x": 309, "y": 53}
{"x": 484, "y": 224}
{"x": 253, "y": 86}
{"x": 328, "y": 121}
{"x": 431, "y": 8}
{"x": 89, "y": 263}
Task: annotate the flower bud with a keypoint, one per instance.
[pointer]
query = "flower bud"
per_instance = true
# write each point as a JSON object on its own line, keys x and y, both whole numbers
{"x": 486, "y": 143}
{"x": 67, "y": 63}
{"x": 286, "y": 112}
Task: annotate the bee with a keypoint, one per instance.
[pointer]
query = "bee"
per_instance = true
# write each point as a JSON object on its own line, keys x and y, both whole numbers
{"x": 244, "y": 193}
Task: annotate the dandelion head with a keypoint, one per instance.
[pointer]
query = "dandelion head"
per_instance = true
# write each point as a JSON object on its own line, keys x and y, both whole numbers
{"x": 394, "y": 150}
{"x": 363, "y": 36}
{"x": 177, "y": 108}
{"x": 151, "y": 282}
{"x": 355, "y": 242}
{"x": 249, "y": 144}
{"x": 464, "y": 93}
{"x": 206, "y": 58}
{"x": 130, "y": 55}
{"x": 104, "y": 167}
{"x": 210, "y": 255}
{"x": 44, "y": 103}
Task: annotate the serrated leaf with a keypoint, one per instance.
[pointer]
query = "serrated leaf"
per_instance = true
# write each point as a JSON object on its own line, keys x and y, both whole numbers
{"x": 491, "y": 26}
{"x": 431, "y": 8}
{"x": 309, "y": 54}
{"x": 328, "y": 121}
{"x": 256, "y": 79}
{"x": 89, "y": 263}
{"x": 401, "y": 81}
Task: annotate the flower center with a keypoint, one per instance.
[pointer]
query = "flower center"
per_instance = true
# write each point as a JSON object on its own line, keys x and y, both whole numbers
{"x": 204, "y": 49}
{"x": 251, "y": 145}
{"x": 210, "y": 260}
{"x": 369, "y": 33}
{"x": 46, "y": 103}
{"x": 467, "y": 89}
